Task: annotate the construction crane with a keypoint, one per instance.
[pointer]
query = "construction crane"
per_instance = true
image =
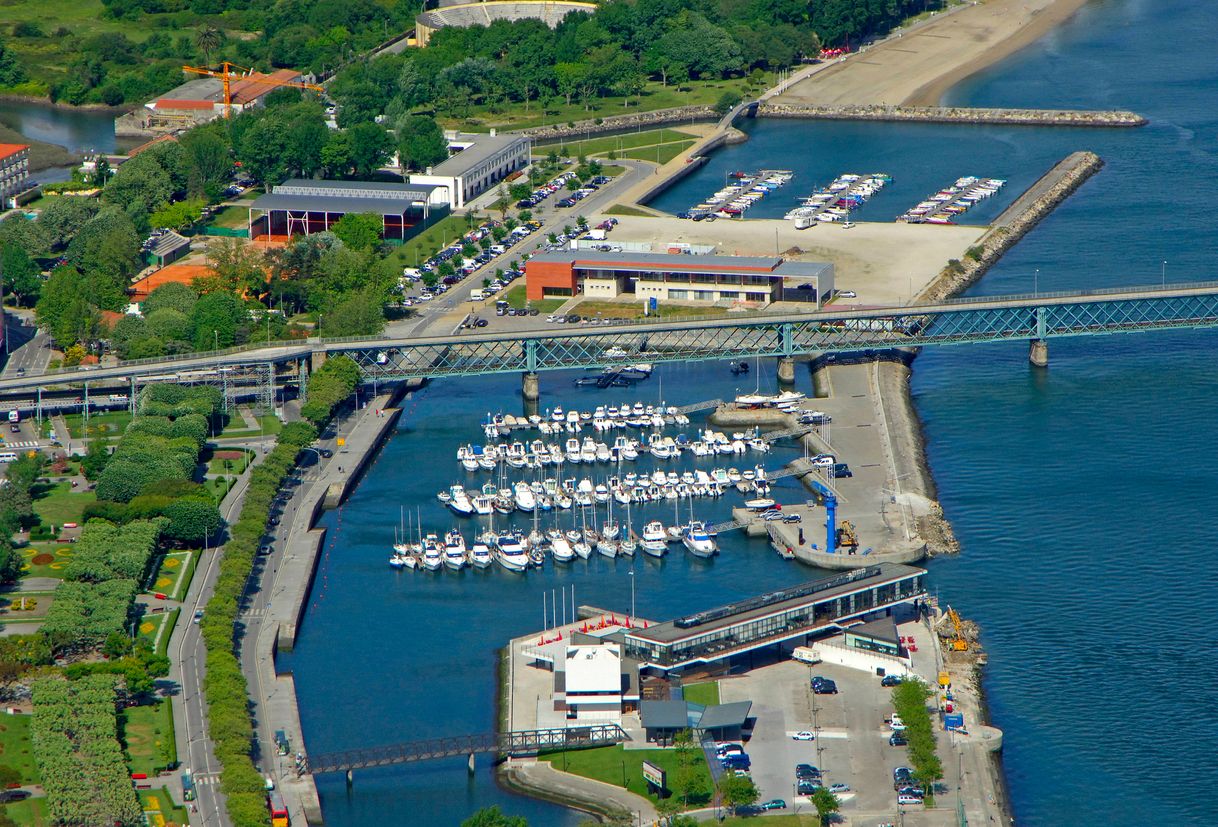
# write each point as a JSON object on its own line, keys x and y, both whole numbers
{"x": 958, "y": 644}
{"x": 846, "y": 536}
{"x": 227, "y": 75}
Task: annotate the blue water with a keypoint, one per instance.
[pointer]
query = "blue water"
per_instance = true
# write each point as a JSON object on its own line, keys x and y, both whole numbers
{"x": 1081, "y": 495}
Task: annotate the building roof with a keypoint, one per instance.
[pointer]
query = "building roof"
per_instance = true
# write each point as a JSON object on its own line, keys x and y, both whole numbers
{"x": 813, "y": 591}
{"x": 149, "y": 144}
{"x": 649, "y": 262}
{"x": 174, "y": 273}
{"x": 195, "y": 89}
{"x": 250, "y": 88}
{"x": 664, "y": 714}
{"x": 884, "y": 628}
{"x": 725, "y": 715}
{"x": 333, "y": 204}
{"x": 181, "y": 103}
{"x": 484, "y": 147}
{"x": 595, "y": 668}
{"x": 168, "y": 243}
{"x": 11, "y": 149}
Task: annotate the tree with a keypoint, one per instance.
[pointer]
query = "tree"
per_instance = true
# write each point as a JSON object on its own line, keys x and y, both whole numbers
{"x": 208, "y": 161}
{"x": 21, "y": 276}
{"x": 106, "y": 249}
{"x": 371, "y": 147}
{"x": 237, "y": 268}
{"x": 95, "y": 459}
{"x": 359, "y": 231}
{"x": 421, "y": 143}
{"x": 140, "y": 185}
{"x": 190, "y": 521}
{"x": 738, "y": 791}
{"x": 826, "y": 804}
{"x": 216, "y": 320}
{"x": 178, "y": 215}
{"x": 12, "y": 71}
{"x": 727, "y": 101}
{"x": 172, "y": 296}
{"x": 60, "y": 220}
{"x": 493, "y": 817}
{"x": 208, "y": 38}
{"x": 64, "y": 308}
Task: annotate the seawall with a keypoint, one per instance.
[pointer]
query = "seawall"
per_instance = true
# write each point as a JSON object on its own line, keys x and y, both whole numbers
{"x": 953, "y": 115}
{"x": 619, "y": 123}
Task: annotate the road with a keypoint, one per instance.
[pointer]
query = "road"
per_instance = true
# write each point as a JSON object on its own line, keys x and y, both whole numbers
{"x": 29, "y": 348}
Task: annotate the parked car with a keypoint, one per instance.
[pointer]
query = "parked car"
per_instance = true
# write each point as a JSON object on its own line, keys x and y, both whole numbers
{"x": 841, "y": 469}
{"x": 896, "y": 724}
{"x": 904, "y": 799}
{"x": 198, "y": 615}
{"x": 847, "y": 294}
{"x": 823, "y": 686}
{"x": 803, "y": 735}
{"x": 806, "y": 771}
{"x": 897, "y": 739}
{"x": 836, "y": 789}
{"x": 890, "y": 680}
{"x": 774, "y": 804}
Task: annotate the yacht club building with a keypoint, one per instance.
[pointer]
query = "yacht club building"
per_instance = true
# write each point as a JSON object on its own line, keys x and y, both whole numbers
{"x": 788, "y": 616}
{"x": 475, "y": 164}
{"x": 756, "y": 280}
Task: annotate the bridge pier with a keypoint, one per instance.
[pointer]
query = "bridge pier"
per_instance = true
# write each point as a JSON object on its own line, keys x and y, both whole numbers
{"x": 470, "y": 766}
{"x": 316, "y": 359}
{"x": 1038, "y": 353}
{"x": 530, "y": 386}
{"x": 350, "y": 779}
{"x": 786, "y": 370}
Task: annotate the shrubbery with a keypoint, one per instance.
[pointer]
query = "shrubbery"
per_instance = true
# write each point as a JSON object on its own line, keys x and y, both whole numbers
{"x": 330, "y": 384}
{"x": 909, "y": 701}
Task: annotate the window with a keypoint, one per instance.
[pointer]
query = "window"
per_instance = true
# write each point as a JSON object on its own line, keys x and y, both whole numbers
{"x": 704, "y": 295}
{"x": 678, "y": 294}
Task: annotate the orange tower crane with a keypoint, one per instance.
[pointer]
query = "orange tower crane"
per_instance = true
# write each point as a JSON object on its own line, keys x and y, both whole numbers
{"x": 227, "y": 75}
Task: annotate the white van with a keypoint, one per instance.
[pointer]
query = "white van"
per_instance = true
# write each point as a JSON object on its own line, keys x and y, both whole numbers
{"x": 8, "y": 456}
{"x": 477, "y": 296}
{"x": 805, "y": 654}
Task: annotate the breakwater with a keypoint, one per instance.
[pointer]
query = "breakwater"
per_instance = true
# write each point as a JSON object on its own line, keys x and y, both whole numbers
{"x": 1014, "y": 223}
{"x": 954, "y": 115}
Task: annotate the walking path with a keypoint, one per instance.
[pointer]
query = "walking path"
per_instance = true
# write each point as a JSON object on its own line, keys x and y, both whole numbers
{"x": 539, "y": 776}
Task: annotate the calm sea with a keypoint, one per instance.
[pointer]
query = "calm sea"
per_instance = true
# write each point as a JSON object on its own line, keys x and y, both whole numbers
{"x": 1079, "y": 494}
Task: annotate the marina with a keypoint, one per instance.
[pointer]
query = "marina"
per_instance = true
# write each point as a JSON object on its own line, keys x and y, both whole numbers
{"x": 952, "y": 202}
{"x": 837, "y": 201}
{"x": 742, "y": 192}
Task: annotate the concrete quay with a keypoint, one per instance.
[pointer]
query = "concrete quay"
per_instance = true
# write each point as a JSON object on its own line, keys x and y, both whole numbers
{"x": 276, "y": 609}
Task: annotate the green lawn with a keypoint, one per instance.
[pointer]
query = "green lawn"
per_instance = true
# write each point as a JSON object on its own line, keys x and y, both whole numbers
{"x": 45, "y": 559}
{"x": 660, "y": 154}
{"x": 59, "y": 503}
{"x": 418, "y": 249}
{"x": 16, "y": 750}
{"x": 111, "y": 423}
{"x": 160, "y": 809}
{"x": 28, "y": 813}
{"x": 655, "y": 96}
{"x": 613, "y": 764}
{"x": 622, "y": 209}
{"x": 230, "y": 461}
{"x": 157, "y": 628}
{"x": 173, "y": 576}
{"x": 233, "y": 218}
{"x": 236, "y": 426}
{"x": 706, "y": 694}
{"x": 634, "y": 310}
{"x": 615, "y": 143}
{"x": 147, "y": 734}
{"x": 515, "y": 297}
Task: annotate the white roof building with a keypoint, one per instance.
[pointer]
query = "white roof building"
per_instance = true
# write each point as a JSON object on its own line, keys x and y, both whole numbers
{"x": 591, "y": 680}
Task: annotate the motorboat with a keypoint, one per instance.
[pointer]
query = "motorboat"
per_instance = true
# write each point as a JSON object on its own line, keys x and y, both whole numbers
{"x": 454, "y": 551}
{"x": 433, "y": 553}
{"x": 698, "y": 540}
{"x": 510, "y": 552}
{"x": 759, "y": 503}
{"x": 560, "y": 548}
{"x": 459, "y": 501}
{"x": 481, "y": 554}
{"x": 655, "y": 540}
{"x": 524, "y": 497}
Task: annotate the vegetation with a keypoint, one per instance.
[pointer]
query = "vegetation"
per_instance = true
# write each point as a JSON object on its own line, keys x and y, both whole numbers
{"x": 661, "y": 153}
{"x": 82, "y": 767}
{"x": 493, "y": 817}
{"x": 601, "y": 146}
{"x": 706, "y": 693}
{"x": 826, "y": 804}
{"x": 148, "y": 733}
{"x": 623, "y": 209}
{"x": 624, "y": 768}
{"x": 17, "y": 509}
{"x": 909, "y": 701}
{"x": 16, "y": 752}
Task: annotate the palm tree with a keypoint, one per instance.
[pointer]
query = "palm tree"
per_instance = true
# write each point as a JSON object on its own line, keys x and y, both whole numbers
{"x": 208, "y": 38}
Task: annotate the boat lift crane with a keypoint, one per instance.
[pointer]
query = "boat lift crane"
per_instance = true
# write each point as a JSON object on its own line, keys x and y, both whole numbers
{"x": 958, "y": 643}
{"x": 227, "y": 75}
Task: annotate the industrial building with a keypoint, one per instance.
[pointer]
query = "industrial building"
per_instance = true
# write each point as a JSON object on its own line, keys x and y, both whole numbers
{"x": 754, "y": 280}
{"x": 788, "y": 616}
{"x": 302, "y": 207}
{"x": 476, "y": 163}
{"x": 14, "y": 172}
{"x": 202, "y": 100}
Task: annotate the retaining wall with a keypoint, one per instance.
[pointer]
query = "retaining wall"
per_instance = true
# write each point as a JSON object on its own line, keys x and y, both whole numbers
{"x": 618, "y": 123}
{"x": 954, "y": 114}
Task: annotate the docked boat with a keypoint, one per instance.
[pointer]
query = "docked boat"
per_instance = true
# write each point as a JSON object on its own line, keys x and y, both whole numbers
{"x": 560, "y": 549}
{"x": 525, "y": 500}
{"x": 481, "y": 554}
{"x": 433, "y": 553}
{"x": 655, "y": 540}
{"x": 510, "y": 551}
{"x": 454, "y": 551}
{"x": 459, "y": 501}
{"x": 698, "y": 540}
{"x": 759, "y": 503}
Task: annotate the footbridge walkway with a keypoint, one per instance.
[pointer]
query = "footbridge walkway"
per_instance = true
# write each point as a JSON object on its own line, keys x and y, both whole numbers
{"x": 527, "y": 742}
{"x": 1034, "y": 318}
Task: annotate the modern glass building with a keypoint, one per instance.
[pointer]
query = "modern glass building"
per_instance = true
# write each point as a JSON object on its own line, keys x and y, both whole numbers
{"x": 808, "y": 610}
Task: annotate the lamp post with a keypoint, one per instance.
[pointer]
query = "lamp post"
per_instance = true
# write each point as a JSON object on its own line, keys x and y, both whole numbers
{"x": 1163, "y": 274}
{"x": 1036, "y": 282}
{"x": 631, "y": 573}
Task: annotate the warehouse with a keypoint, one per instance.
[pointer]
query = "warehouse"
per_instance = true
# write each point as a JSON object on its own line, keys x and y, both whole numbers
{"x": 303, "y": 207}
{"x": 476, "y": 163}
{"x": 753, "y": 280}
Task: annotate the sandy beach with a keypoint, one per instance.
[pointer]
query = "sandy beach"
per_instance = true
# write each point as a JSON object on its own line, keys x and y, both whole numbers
{"x": 917, "y": 66}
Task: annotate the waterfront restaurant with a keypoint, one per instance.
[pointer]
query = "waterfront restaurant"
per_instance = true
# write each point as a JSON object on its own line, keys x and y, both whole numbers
{"x": 754, "y": 280}
{"x": 788, "y": 616}
{"x": 303, "y": 207}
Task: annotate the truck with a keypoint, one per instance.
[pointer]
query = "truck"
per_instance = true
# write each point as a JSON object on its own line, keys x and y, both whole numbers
{"x": 805, "y": 654}
{"x": 595, "y": 235}
{"x": 14, "y": 416}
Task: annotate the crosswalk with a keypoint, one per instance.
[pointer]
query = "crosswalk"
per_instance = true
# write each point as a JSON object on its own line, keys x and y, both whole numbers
{"x": 206, "y": 779}
{"x": 260, "y": 612}
{"x": 25, "y": 444}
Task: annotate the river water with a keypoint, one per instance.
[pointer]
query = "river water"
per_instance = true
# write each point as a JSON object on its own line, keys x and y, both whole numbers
{"x": 1078, "y": 493}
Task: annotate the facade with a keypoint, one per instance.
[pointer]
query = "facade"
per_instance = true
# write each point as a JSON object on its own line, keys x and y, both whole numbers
{"x": 809, "y": 610}
{"x": 303, "y": 207}
{"x": 592, "y": 682}
{"x": 476, "y": 163}
{"x": 14, "y": 170}
{"x": 753, "y": 280}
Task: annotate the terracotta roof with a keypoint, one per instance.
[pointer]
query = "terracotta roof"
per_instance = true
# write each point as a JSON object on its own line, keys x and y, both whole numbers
{"x": 177, "y": 103}
{"x": 11, "y": 149}
{"x": 249, "y": 89}
{"x": 137, "y": 150}
{"x": 174, "y": 273}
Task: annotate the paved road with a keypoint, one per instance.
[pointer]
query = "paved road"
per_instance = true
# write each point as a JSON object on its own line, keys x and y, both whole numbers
{"x": 28, "y": 347}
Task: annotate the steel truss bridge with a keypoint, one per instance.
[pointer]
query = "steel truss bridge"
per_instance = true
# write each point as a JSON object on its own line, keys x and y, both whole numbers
{"x": 527, "y": 742}
{"x": 1032, "y": 318}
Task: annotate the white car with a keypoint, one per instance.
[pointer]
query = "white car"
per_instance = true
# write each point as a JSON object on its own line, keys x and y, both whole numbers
{"x": 847, "y": 294}
{"x": 824, "y": 461}
{"x": 803, "y": 735}
{"x": 897, "y": 724}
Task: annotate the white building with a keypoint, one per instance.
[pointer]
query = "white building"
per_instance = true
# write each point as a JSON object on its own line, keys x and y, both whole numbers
{"x": 14, "y": 171}
{"x": 589, "y": 682}
{"x": 476, "y": 163}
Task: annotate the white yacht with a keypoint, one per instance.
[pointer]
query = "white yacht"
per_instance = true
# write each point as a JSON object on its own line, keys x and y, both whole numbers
{"x": 454, "y": 551}
{"x": 459, "y": 501}
{"x": 481, "y": 554}
{"x": 433, "y": 554}
{"x": 525, "y": 500}
{"x": 698, "y": 541}
{"x": 655, "y": 541}
{"x": 511, "y": 553}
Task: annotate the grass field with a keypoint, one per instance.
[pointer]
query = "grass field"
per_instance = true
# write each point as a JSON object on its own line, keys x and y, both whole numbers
{"x": 622, "y": 209}
{"x": 660, "y": 154}
{"x": 157, "y": 628}
{"x": 634, "y": 310}
{"x": 233, "y": 218}
{"x": 655, "y": 96}
{"x": 159, "y": 808}
{"x": 28, "y": 813}
{"x": 706, "y": 694}
{"x": 624, "y": 768}
{"x": 418, "y": 249}
{"x": 147, "y": 733}
{"x": 515, "y": 297}
{"x": 60, "y": 503}
{"x": 16, "y": 750}
{"x": 615, "y": 143}
{"x": 173, "y": 576}
{"x": 111, "y": 423}
{"x": 230, "y": 461}
{"x": 236, "y": 426}
{"x": 46, "y": 559}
